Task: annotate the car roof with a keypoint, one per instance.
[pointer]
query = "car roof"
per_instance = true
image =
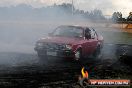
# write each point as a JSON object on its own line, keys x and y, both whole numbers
{"x": 76, "y": 26}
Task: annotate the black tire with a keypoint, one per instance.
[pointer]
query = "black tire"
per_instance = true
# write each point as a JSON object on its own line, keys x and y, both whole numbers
{"x": 97, "y": 52}
{"x": 42, "y": 57}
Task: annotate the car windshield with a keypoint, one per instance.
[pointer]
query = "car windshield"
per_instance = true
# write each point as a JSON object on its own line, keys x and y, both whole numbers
{"x": 68, "y": 32}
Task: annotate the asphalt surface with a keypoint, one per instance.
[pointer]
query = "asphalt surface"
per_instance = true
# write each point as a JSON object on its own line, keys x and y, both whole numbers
{"x": 23, "y": 70}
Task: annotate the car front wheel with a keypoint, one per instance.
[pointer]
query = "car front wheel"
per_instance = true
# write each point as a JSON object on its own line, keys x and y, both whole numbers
{"x": 78, "y": 55}
{"x": 42, "y": 57}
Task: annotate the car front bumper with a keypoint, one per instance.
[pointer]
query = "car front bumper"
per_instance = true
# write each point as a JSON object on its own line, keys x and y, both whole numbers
{"x": 56, "y": 53}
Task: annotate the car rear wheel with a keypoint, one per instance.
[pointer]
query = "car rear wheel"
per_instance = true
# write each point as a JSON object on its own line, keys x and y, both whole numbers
{"x": 97, "y": 52}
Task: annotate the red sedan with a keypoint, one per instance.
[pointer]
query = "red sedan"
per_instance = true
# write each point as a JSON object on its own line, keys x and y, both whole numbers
{"x": 73, "y": 42}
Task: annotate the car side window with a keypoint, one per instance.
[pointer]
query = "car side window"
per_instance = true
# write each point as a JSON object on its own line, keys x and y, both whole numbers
{"x": 87, "y": 33}
{"x": 93, "y": 34}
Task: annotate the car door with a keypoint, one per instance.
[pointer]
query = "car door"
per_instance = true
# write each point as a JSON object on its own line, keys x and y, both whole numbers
{"x": 89, "y": 44}
{"x": 86, "y": 43}
{"x": 94, "y": 40}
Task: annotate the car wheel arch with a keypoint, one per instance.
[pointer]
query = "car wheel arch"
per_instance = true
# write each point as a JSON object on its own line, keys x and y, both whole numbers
{"x": 80, "y": 53}
{"x": 78, "y": 48}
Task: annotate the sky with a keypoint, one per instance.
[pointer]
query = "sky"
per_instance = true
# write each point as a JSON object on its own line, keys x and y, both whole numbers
{"x": 107, "y": 6}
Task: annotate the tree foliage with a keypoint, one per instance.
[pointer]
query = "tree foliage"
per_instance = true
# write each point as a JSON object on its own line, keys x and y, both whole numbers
{"x": 63, "y": 11}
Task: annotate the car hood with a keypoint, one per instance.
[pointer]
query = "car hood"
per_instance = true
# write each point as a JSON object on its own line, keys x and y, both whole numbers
{"x": 62, "y": 40}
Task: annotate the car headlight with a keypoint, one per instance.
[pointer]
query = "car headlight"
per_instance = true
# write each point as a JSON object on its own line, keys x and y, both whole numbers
{"x": 69, "y": 47}
{"x": 39, "y": 44}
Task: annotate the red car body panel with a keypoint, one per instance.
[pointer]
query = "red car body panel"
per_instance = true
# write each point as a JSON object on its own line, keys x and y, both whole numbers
{"x": 60, "y": 40}
{"x": 88, "y": 46}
